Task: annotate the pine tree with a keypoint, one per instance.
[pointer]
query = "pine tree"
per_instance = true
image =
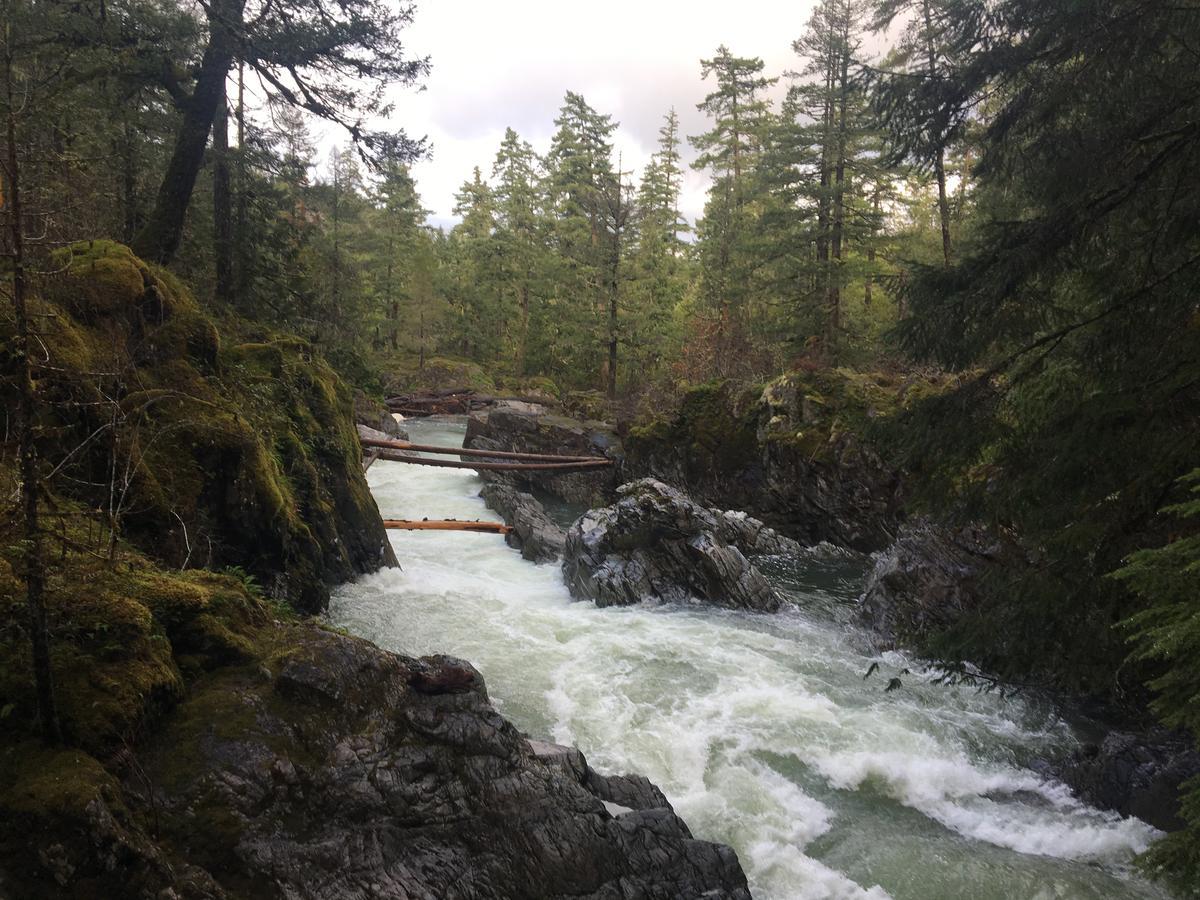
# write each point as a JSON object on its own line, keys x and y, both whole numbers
{"x": 518, "y": 235}
{"x": 741, "y": 118}
{"x": 580, "y": 179}
{"x": 660, "y": 263}
{"x": 479, "y": 292}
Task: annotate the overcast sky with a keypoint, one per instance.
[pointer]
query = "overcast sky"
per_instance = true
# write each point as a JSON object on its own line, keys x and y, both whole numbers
{"x": 497, "y": 64}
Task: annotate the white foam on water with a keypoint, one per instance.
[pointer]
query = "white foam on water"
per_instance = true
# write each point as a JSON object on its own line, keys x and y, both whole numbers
{"x": 760, "y": 729}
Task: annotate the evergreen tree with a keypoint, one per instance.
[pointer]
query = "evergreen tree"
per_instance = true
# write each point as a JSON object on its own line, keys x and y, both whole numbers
{"x": 580, "y": 180}
{"x": 741, "y": 118}
{"x": 518, "y": 236}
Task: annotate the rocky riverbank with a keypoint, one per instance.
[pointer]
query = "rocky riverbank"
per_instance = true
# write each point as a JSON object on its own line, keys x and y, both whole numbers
{"x": 217, "y": 746}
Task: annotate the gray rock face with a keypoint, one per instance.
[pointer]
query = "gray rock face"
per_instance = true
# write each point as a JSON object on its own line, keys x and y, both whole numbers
{"x": 346, "y": 772}
{"x": 655, "y": 543}
{"x": 774, "y": 453}
{"x": 534, "y": 533}
{"x": 508, "y": 426}
{"x": 927, "y": 579}
{"x": 1135, "y": 774}
{"x": 377, "y": 416}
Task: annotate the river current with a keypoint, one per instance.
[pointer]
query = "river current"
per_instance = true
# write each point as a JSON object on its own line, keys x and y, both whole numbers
{"x": 760, "y": 729}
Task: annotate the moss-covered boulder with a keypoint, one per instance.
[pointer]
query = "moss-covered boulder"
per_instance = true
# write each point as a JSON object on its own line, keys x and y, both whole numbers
{"x": 799, "y": 452}
{"x": 407, "y": 375}
{"x": 205, "y": 443}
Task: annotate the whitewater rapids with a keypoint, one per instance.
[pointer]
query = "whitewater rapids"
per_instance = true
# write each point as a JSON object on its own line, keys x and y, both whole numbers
{"x": 760, "y": 729}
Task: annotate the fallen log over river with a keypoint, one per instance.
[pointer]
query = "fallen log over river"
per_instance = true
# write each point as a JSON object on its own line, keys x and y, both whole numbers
{"x": 486, "y": 454}
{"x": 445, "y": 525}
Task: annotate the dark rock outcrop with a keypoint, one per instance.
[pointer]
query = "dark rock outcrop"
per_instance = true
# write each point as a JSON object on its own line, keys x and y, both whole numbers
{"x": 794, "y": 453}
{"x": 527, "y": 428}
{"x": 374, "y": 414}
{"x": 655, "y": 543}
{"x": 928, "y": 579}
{"x": 343, "y": 771}
{"x": 1135, "y": 774}
{"x": 534, "y": 533}
{"x": 328, "y": 768}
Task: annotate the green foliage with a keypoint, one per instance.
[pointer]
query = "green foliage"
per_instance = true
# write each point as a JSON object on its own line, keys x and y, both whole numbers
{"x": 198, "y": 450}
{"x": 1166, "y": 634}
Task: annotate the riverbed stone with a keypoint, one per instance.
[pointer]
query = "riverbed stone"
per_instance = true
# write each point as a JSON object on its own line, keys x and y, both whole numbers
{"x": 534, "y": 533}
{"x": 928, "y": 579}
{"x": 655, "y": 543}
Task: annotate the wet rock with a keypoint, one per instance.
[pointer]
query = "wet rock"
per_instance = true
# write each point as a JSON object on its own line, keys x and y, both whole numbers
{"x": 534, "y": 533}
{"x": 655, "y": 543}
{"x": 374, "y": 434}
{"x": 927, "y": 579}
{"x": 377, "y": 416}
{"x": 356, "y": 773}
{"x": 1135, "y": 774}
{"x": 635, "y": 792}
{"x": 508, "y": 426}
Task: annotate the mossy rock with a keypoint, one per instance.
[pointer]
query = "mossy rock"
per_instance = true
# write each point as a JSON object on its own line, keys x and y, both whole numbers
{"x": 438, "y": 373}
{"x": 246, "y": 449}
{"x": 587, "y": 405}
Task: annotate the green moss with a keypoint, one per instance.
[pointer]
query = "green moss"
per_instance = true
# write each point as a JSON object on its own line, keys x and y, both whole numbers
{"x": 245, "y": 449}
{"x": 404, "y": 373}
{"x": 53, "y": 784}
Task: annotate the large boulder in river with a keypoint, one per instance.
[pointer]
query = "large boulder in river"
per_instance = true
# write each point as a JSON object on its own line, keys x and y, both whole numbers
{"x": 655, "y": 543}
{"x": 534, "y": 533}
{"x": 527, "y": 428}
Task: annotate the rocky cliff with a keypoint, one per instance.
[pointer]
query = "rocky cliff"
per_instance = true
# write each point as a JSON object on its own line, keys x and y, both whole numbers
{"x": 206, "y": 441}
{"x": 795, "y": 452}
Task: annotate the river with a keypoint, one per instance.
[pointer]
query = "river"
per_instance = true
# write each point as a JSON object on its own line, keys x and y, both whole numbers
{"x": 761, "y": 729}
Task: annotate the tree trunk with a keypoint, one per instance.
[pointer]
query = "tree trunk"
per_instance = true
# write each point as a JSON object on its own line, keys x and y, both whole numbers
{"x": 222, "y": 207}
{"x": 521, "y": 347}
{"x": 825, "y": 177}
{"x": 834, "y": 324}
{"x": 939, "y": 164}
{"x": 241, "y": 240}
{"x": 160, "y": 236}
{"x": 26, "y": 447}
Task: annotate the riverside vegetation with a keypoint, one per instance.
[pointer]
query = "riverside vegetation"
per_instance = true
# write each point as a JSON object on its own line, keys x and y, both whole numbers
{"x": 942, "y": 295}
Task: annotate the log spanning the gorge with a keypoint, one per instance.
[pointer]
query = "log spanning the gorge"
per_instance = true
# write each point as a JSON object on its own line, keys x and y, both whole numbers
{"x": 446, "y": 525}
{"x": 483, "y": 454}
{"x": 523, "y": 462}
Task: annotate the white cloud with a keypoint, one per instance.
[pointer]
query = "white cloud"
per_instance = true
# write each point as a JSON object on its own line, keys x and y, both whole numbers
{"x": 509, "y": 64}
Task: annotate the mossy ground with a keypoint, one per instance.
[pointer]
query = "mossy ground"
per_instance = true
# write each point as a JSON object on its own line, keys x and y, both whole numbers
{"x": 202, "y": 477}
{"x": 211, "y": 442}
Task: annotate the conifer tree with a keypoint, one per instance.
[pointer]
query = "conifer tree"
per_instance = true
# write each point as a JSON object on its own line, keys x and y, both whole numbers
{"x": 518, "y": 235}
{"x": 741, "y": 117}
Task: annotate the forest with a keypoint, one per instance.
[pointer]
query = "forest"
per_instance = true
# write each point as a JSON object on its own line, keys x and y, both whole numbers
{"x": 993, "y": 204}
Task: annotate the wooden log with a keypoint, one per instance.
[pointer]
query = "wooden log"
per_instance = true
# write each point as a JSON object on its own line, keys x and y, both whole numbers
{"x": 483, "y": 454}
{"x": 370, "y": 458}
{"x": 446, "y": 525}
{"x": 496, "y": 466}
